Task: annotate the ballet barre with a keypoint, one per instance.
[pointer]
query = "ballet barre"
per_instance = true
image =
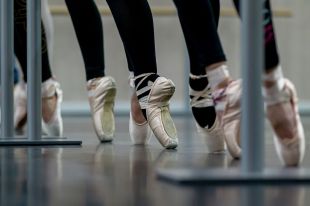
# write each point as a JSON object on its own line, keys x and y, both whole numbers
{"x": 168, "y": 11}
{"x": 34, "y": 114}
{"x": 252, "y": 169}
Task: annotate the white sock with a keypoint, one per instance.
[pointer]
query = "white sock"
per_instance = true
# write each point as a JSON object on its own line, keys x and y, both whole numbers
{"x": 131, "y": 81}
{"x": 217, "y": 76}
{"x": 275, "y": 76}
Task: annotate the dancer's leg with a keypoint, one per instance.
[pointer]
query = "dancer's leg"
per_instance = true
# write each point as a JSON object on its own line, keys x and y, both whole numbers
{"x": 135, "y": 25}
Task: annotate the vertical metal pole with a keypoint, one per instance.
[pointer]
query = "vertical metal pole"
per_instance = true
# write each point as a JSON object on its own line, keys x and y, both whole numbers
{"x": 253, "y": 195}
{"x": 186, "y": 108}
{"x": 7, "y": 64}
{"x": 252, "y": 105}
{"x": 35, "y": 175}
{"x": 34, "y": 68}
{"x": 7, "y": 181}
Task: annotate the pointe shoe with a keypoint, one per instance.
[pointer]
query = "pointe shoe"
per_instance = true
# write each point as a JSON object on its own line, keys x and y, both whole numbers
{"x": 214, "y": 136}
{"x": 158, "y": 114}
{"x": 52, "y": 124}
{"x": 20, "y": 108}
{"x": 290, "y": 150}
{"x": 140, "y": 133}
{"x": 228, "y": 102}
{"x": 101, "y": 96}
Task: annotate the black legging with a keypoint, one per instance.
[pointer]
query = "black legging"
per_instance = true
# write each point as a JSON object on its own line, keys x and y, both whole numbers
{"x": 88, "y": 28}
{"x": 199, "y": 21}
{"x": 89, "y": 31}
{"x": 20, "y": 41}
{"x": 271, "y": 53}
{"x": 201, "y": 38}
{"x": 135, "y": 24}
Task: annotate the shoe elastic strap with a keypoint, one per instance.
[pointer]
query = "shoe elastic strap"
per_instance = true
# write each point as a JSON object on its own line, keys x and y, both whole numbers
{"x": 217, "y": 96}
{"x": 145, "y": 76}
{"x": 145, "y": 104}
{"x": 201, "y": 99}
{"x": 194, "y": 77}
{"x": 276, "y": 99}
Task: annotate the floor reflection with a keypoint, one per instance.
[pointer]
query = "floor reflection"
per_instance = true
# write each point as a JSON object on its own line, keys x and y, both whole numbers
{"x": 122, "y": 174}
{"x": 24, "y": 178}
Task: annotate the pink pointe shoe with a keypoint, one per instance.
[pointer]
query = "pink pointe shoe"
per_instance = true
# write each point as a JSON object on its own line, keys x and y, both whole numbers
{"x": 227, "y": 102}
{"x": 290, "y": 149}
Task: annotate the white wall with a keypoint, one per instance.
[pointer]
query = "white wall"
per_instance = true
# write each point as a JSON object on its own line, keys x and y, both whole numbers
{"x": 293, "y": 41}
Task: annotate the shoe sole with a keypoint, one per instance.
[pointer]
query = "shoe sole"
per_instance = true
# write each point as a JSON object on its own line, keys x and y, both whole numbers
{"x": 140, "y": 134}
{"x": 108, "y": 124}
{"x": 166, "y": 122}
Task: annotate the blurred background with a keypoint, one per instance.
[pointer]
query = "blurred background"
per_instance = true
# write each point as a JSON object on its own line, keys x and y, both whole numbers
{"x": 123, "y": 174}
{"x": 293, "y": 35}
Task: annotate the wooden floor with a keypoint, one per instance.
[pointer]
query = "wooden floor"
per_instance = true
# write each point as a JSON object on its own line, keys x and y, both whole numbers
{"x": 122, "y": 174}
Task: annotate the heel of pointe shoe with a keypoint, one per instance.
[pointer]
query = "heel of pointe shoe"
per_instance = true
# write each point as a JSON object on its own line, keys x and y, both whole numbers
{"x": 20, "y": 108}
{"x": 140, "y": 134}
{"x": 54, "y": 127}
{"x": 214, "y": 137}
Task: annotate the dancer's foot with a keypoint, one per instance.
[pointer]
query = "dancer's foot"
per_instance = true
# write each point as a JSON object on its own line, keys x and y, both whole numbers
{"x": 156, "y": 106}
{"x": 139, "y": 130}
{"x": 52, "y": 123}
{"x": 227, "y": 95}
{"x": 203, "y": 109}
{"x": 282, "y": 112}
{"x": 101, "y": 96}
